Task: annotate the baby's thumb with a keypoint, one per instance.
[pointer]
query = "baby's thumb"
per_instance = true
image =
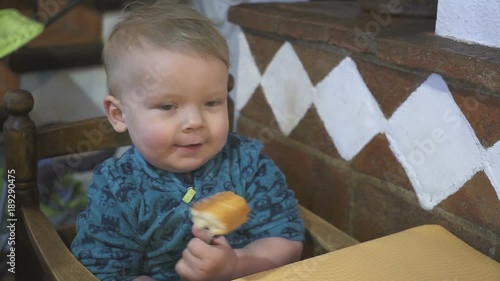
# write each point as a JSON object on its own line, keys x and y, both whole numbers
{"x": 219, "y": 240}
{"x": 203, "y": 234}
{"x": 209, "y": 238}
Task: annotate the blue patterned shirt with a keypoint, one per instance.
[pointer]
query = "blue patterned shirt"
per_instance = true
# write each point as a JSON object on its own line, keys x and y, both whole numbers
{"x": 137, "y": 224}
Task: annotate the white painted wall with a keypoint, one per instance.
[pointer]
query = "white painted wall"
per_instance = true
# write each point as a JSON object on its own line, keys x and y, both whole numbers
{"x": 428, "y": 133}
{"x": 68, "y": 95}
{"x": 475, "y": 21}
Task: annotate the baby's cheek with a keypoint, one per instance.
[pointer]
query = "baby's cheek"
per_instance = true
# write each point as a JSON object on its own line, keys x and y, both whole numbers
{"x": 157, "y": 148}
{"x": 220, "y": 132}
{"x": 156, "y": 137}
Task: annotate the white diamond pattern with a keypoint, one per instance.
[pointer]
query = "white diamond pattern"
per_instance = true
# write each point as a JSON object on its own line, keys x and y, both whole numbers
{"x": 351, "y": 115}
{"x": 287, "y": 88}
{"x": 428, "y": 133}
{"x": 425, "y": 133}
{"x": 492, "y": 167}
{"x": 248, "y": 75}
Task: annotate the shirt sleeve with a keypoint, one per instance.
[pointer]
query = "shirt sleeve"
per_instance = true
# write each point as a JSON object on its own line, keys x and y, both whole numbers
{"x": 106, "y": 242}
{"x": 274, "y": 207}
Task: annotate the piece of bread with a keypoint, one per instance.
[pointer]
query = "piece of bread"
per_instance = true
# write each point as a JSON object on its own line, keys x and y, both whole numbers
{"x": 220, "y": 213}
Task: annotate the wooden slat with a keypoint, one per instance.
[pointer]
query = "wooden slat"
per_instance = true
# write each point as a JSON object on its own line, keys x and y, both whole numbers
{"x": 79, "y": 137}
{"x": 327, "y": 236}
{"x": 58, "y": 262}
{"x": 81, "y": 25}
{"x": 55, "y": 57}
{"x": 74, "y": 40}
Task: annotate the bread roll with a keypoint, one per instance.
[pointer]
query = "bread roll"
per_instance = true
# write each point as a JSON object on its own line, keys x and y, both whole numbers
{"x": 220, "y": 213}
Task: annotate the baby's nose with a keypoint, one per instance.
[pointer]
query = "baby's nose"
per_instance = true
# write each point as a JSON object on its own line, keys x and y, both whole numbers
{"x": 194, "y": 120}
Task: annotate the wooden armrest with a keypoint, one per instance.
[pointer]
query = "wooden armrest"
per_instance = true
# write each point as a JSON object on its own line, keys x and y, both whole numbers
{"x": 79, "y": 136}
{"x": 326, "y": 237}
{"x": 57, "y": 261}
{"x": 60, "y": 264}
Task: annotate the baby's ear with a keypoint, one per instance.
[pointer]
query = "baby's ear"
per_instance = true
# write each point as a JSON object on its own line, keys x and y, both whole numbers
{"x": 114, "y": 111}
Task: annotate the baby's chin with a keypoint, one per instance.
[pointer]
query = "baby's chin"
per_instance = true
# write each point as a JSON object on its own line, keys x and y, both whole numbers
{"x": 187, "y": 167}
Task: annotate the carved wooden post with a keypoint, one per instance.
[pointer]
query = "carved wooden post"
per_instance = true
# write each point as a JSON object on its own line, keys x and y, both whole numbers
{"x": 21, "y": 164}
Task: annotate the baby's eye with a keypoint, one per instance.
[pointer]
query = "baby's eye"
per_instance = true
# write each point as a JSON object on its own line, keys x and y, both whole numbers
{"x": 214, "y": 103}
{"x": 167, "y": 107}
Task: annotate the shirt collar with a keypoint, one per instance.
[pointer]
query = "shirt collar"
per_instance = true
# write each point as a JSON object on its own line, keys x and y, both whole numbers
{"x": 206, "y": 171}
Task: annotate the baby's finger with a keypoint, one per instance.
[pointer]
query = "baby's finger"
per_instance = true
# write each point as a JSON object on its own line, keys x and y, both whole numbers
{"x": 190, "y": 259}
{"x": 219, "y": 240}
{"x": 203, "y": 234}
{"x": 183, "y": 269}
{"x": 197, "y": 248}
{"x": 190, "y": 267}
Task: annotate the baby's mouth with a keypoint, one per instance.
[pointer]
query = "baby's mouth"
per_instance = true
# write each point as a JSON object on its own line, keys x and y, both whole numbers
{"x": 190, "y": 145}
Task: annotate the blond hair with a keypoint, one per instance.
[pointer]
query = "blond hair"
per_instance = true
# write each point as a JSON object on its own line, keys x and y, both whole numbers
{"x": 165, "y": 24}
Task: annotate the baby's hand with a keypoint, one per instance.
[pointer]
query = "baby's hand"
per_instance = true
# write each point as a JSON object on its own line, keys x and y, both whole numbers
{"x": 202, "y": 261}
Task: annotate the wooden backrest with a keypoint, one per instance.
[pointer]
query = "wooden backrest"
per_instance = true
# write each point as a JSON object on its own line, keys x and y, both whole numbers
{"x": 40, "y": 252}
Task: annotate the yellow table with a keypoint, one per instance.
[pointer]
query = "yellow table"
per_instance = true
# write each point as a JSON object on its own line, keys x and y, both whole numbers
{"x": 424, "y": 253}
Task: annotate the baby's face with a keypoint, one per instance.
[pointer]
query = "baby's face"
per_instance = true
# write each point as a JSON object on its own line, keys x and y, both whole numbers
{"x": 175, "y": 108}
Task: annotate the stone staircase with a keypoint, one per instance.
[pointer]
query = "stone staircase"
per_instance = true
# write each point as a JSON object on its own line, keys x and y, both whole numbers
{"x": 72, "y": 40}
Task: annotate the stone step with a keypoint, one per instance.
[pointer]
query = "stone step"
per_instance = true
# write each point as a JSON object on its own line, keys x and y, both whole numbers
{"x": 73, "y": 40}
